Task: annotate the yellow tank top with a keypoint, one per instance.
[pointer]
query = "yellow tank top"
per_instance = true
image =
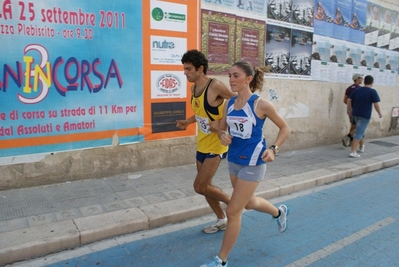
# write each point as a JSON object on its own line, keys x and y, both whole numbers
{"x": 207, "y": 141}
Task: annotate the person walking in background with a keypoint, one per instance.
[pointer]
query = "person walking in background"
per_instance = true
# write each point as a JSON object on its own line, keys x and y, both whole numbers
{"x": 207, "y": 101}
{"x": 357, "y": 79}
{"x": 360, "y": 105}
{"x": 244, "y": 117}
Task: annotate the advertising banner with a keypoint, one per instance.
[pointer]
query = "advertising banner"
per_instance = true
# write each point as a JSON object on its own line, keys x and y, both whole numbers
{"x": 71, "y": 75}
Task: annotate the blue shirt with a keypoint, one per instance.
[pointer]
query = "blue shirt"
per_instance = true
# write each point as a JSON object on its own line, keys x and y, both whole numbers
{"x": 362, "y": 101}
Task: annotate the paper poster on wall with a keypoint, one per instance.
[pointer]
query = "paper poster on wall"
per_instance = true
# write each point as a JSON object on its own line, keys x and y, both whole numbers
{"x": 384, "y": 35}
{"x": 342, "y": 59}
{"x": 225, "y": 4}
{"x": 62, "y": 86}
{"x": 394, "y": 42}
{"x": 250, "y": 45}
{"x": 357, "y": 24}
{"x": 373, "y": 24}
{"x": 324, "y": 12}
{"x": 341, "y": 20}
{"x": 218, "y": 40}
{"x": 251, "y": 7}
{"x": 300, "y": 53}
{"x": 302, "y": 13}
{"x": 277, "y": 55}
{"x": 279, "y": 10}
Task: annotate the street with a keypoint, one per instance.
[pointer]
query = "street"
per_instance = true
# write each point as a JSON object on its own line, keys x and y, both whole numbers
{"x": 349, "y": 223}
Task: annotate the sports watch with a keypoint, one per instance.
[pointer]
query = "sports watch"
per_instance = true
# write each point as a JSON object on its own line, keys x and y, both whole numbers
{"x": 275, "y": 149}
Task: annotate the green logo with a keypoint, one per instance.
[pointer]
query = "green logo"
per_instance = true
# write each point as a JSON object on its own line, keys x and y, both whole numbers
{"x": 157, "y": 14}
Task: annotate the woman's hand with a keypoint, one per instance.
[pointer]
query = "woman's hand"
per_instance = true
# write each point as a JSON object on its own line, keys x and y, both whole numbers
{"x": 225, "y": 139}
{"x": 268, "y": 155}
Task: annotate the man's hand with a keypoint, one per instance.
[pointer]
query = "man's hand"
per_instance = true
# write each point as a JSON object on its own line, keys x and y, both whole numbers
{"x": 214, "y": 126}
{"x": 182, "y": 124}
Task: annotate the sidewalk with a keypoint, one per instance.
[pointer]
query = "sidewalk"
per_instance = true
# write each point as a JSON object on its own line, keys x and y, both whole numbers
{"x": 41, "y": 220}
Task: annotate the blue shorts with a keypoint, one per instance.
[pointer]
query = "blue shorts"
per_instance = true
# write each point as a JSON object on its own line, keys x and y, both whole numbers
{"x": 202, "y": 156}
{"x": 361, "y": 126}
{"x": 248, "y": 173}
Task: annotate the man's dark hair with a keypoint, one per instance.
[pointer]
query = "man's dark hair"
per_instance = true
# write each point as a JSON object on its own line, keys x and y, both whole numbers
{"x": 196, "y": 58}
{"x": 368, "y": 79}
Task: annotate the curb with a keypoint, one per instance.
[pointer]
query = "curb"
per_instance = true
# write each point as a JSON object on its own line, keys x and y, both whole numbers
{"x": 32, "y": 242}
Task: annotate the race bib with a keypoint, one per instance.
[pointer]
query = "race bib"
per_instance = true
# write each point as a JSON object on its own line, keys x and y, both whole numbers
{"x": 203, "y": 124}
{"x": 240, "y": 127}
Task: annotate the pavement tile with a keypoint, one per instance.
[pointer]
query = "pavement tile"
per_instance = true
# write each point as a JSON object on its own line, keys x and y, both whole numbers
{"x": 91, "y": 210}
{"x": 136, "y": 201}
{"x": 156, "y": 198}
{"x": 127, "y": 194}
{"x": 68, "y": 214}
{"x": 82, "y": 201}
{"x": 41, "y": 219}
{"x": 15, "y": 224}
{"x": 117, "y": 205}
{"x": 12, "y": 212}
{"x": 174, "y": 194}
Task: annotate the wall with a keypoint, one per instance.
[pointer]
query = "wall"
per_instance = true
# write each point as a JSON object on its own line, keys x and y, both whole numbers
{"x": 314, "y": 111}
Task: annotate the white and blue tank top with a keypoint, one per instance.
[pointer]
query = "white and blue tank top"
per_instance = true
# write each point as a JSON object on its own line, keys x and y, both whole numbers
{"x": 246, "y": 127}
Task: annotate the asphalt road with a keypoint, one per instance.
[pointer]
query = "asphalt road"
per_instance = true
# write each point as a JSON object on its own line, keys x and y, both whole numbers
{"x": 354, "y": 222}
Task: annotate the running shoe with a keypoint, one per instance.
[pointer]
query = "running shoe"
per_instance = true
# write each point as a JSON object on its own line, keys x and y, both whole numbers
{"x": 361, "y": 149}
{"x": 220, "y": 225}
{"x": 217, "y": 262}
{"x": 282, "y": 219}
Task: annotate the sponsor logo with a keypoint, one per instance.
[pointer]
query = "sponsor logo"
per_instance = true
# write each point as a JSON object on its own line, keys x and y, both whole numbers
{"x": 168, "y": 83}
{"x": 157, "y": 14}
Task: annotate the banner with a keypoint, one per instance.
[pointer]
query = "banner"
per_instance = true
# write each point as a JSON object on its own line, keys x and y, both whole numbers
{"x": 70, "y": 75}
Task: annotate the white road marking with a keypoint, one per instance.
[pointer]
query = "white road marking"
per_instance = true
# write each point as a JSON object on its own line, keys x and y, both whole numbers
{"x": 340, "y": 244}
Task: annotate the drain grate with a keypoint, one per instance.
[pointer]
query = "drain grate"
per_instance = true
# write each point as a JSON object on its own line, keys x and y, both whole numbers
{"x": 382, "y": 143}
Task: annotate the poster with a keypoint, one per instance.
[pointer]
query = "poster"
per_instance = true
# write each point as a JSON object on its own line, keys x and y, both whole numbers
{"x": 384, "y": 34}
{"x": 373, "y": 25}
{"x": 250, "y": 45}
{"x": 278, "y": 44}
{"x": 302, "y": 13}
{"x": 336, "y": 60}
{"x": 218, "y": 40}
{"x": 394, "y": 41}
{"x": 300, "y": 53}
{"x": 279, "y": 10}
{"x": 251, "y": 8}
{"x": 342, "y": 19}
{"x": 69, "y": 79}
{"x": 357, "y": 24}
{"x": 324, "y": 12}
